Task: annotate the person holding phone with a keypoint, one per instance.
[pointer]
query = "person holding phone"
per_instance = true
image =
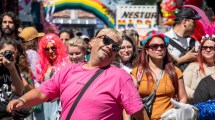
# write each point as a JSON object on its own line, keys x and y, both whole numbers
{"x": 181, "y": 46}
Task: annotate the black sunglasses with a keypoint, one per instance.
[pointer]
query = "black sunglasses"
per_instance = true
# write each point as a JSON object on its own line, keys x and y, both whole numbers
{"x": 53, "y": 48}
{"x": 107, "y": 41}
{"x": 155, "y": 47}
{"x": 208, "y": 47}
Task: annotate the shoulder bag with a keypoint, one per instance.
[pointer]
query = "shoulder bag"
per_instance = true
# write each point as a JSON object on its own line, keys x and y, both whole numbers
{"x": 149, "y": 100}
{"x": 98, "y": 72}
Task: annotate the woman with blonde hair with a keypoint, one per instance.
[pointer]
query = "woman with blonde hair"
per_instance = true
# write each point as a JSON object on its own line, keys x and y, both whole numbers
{"x": 77, "y": 49}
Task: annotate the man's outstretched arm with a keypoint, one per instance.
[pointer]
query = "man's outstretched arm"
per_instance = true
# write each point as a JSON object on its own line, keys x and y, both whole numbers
{"x": 32, "y": 98}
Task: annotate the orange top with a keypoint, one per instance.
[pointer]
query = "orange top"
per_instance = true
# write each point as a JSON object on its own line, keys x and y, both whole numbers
{"x": 164, "y": 93}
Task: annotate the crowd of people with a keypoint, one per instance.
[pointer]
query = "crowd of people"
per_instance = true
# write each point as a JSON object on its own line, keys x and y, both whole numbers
{"x": 48, "y": 76}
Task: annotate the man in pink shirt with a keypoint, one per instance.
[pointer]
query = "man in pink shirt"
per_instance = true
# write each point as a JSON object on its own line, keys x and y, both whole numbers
{"x": 111, "y": 92}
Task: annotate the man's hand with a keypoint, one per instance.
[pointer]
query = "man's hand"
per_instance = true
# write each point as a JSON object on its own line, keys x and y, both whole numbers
{"x": 14, "y": 105}
{"x": 180, "y": 111}
{"x": 191, "y": 55}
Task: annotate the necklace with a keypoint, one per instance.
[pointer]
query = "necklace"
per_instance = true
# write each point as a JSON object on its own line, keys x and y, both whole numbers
{"x": 156, "y": 76}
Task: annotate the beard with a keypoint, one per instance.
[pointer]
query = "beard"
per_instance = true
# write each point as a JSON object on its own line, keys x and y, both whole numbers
{"x": 8, "y": 31}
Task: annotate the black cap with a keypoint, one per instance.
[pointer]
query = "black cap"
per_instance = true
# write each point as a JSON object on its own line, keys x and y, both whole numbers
{"x": 187, "y": 13}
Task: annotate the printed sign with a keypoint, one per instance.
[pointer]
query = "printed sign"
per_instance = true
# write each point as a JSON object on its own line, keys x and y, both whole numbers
{"x": 135, "y": 17}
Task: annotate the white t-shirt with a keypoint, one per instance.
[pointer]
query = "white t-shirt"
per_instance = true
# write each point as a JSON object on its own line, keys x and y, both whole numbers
{"x": 180, "y": 40}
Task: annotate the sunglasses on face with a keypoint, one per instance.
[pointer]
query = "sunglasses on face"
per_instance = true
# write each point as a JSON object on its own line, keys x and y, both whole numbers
{"x": 208, "y": 47}
{"x": 107, "y": 41}
{"x": 155, "y": 47}
{"x": 53, "y": 48}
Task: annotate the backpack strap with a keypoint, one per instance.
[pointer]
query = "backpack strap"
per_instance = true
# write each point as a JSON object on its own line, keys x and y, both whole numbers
{"x": 173, "y": 43}
{"x": 180, "y": 48}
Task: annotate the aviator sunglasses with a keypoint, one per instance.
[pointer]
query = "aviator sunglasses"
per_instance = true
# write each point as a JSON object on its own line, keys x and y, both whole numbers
{"x": 107, "y": 41}
{"x": 155, "y": 47}
{"x": 53, "y": 48}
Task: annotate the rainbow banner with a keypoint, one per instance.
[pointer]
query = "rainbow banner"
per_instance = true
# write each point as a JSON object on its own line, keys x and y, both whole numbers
{"x": 136, "y": 17}
{"x": 93, "y": 6}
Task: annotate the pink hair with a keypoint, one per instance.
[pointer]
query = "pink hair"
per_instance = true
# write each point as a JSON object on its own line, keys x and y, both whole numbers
{"x": 43, "y": 61}
{"x": 200, "y": 58}
{"x": 203, "y": 29}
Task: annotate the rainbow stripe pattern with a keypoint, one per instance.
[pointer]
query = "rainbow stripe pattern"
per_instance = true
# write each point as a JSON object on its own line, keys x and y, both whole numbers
{"x": 121, "y": 24}
{"x": 92, "y": 6}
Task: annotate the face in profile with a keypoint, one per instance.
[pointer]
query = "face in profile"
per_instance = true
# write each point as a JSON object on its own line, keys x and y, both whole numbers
{"x": 51, "y": 51}
{"x": 190, "y": 26}
{"x": 126, "y": 51}
{"x": 76, "y": 54}
{"x": 156, "y": 48}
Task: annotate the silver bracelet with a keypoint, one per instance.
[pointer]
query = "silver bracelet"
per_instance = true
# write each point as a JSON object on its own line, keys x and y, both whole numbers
{"x": 22, "y": 100}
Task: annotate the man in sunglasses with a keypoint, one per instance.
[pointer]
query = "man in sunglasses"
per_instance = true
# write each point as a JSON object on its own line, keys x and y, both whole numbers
{"x": 111, "y": 92}
{"x": 181, "y": 46}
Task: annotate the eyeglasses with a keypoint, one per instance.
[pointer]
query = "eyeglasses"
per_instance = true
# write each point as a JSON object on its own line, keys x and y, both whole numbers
{"x": 155, "y": 47}
{"x": 107, "y": 41}
{"x": 208, "y": 47}
{"x": 53, "y": 48}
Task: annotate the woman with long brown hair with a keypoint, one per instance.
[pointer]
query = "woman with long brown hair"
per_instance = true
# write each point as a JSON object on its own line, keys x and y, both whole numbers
{"x": 155, "y": 66}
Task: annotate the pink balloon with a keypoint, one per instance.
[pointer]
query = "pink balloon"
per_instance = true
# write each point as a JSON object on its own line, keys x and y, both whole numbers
{"x": 203, "y": 26}
{"x": 201, "y": 13}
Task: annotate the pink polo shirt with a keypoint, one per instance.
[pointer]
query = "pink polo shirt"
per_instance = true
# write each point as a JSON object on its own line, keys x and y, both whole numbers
{"x": 105, "y": 99}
